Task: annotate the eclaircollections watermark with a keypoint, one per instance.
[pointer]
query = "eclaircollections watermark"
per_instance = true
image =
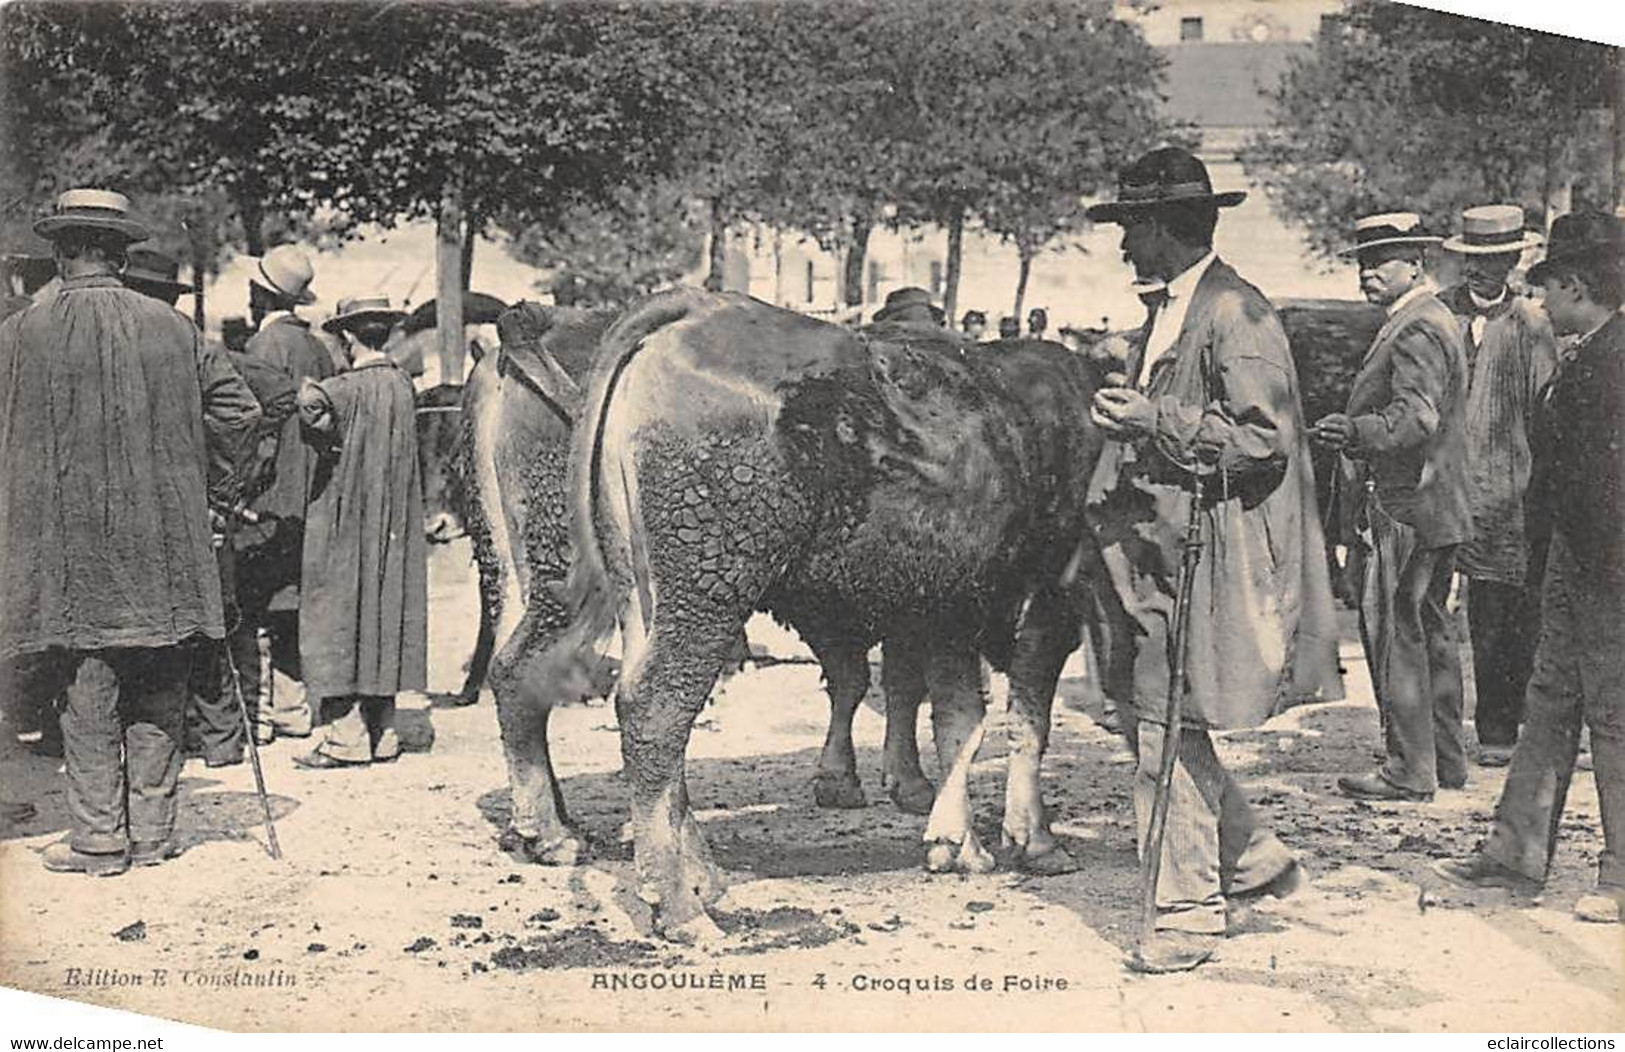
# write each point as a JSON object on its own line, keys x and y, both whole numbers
{"x": 226, "y": 977}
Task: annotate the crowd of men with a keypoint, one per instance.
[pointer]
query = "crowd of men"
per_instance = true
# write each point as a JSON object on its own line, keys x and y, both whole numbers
{"x": 164, "y": 495}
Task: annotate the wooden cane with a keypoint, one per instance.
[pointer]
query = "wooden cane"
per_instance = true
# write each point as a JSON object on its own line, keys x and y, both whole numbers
{"x": 1173, "y": 713}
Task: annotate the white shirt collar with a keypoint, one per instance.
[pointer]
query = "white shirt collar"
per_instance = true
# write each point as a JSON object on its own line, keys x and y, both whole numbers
{"x": 1483, "y": 304}
{"x": 365, "y": 356}
{"x": 276, "y": 316}
{"x": 1421, "y": 288}
{"x": 1185, "y": 284}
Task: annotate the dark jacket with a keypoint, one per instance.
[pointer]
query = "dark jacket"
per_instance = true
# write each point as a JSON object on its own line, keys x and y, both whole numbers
{"x": 1581, "y": 458}
{"x": 111, "y": 412}
{"x": 287, "y": 345}
{"x": 1409, "y": 405}
{"x": 1262, "y": 630}
{"x": 1508, "y": 366}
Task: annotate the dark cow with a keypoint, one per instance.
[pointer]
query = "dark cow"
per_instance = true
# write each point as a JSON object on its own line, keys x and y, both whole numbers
{"x": 898, "y": 486}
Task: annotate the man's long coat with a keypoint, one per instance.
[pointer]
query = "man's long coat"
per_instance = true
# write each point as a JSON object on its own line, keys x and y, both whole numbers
{"x": 112, "y": 412}
{"x": 1262, "y": 632}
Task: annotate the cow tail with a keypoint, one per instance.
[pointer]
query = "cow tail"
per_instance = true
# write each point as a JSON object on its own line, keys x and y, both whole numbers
{"x": 605, "y": 525}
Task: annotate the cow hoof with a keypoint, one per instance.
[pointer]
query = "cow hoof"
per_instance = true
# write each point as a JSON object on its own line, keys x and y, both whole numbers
{"x": 1052, "y": 863}
{"x": 561, "y": 851}
{"x": 699, "y": 931}
{"x": 939, "y": 858}
{"x": 839, "y": 792}
{"x": 915, "y": 798}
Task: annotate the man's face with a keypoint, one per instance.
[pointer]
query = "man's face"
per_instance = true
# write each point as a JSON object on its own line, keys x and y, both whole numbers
{"x": 1386, "y": 275}
{"x": 975, "y": 328}
{"x": 1143, "y": 246}
{"x": 1561, "y": 297}
{"x": 1486, "y": 275}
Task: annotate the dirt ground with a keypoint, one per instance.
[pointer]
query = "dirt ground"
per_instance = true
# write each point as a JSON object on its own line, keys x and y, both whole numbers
{"x": 393, "y": 909}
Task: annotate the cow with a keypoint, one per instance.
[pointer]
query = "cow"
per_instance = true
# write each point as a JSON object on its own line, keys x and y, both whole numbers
{"x": 896, "y": 485}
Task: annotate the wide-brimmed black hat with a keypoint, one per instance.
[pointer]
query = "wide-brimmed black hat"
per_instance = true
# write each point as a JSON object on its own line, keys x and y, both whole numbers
{"x": 100, "y": 210}
{"x": 155, "y": 270}
{"x": 908, "y": 301}
{"x": 1164, "y": 176}
{"x": 1590, "y": 240}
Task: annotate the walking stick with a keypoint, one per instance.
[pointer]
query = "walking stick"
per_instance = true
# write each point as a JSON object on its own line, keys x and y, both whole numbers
{"x": 1151, "y": 857}
{"x": 253, "y": 756}
{"x": 223, "y": 539}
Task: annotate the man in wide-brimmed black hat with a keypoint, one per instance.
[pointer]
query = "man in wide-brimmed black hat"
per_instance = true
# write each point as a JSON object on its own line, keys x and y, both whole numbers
{"x": 909, "y": 305}
{"x": 1511, "y": 355}
{"x": 1404, "y": 443}
{"x": 1580, "y": 660}
{"x": 107, "y": 569}
{"x": 1209, "y": 407}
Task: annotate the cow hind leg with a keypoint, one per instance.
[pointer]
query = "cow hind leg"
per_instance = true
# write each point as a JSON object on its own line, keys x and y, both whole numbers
{"x": 846, "y": 675}
{"x": 529, "y": 677}
{"x": 902, "y": 675}
{"x": 958, "y": 705}
{"x": 660, "y": 695}
{"x": 1048, "y": 636}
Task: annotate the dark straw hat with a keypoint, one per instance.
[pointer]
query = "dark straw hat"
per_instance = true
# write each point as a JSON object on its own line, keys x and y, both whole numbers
{"x": 359, "y": 310}
{"x": 1166, "y": 176}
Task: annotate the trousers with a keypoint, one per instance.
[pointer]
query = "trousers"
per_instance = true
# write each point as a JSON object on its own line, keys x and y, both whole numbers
{"x": 1410, "y": 647}
{"x": 1213, "y": 845}
{"x": 1579, "y": 677}
{"x": 1504, "y": 623}
{"x": 121, "y": 736}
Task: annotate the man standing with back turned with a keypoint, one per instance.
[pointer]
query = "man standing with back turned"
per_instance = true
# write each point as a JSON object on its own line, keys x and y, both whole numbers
{"x": 110, "y": 405}
{"x": 1210, "y": 411}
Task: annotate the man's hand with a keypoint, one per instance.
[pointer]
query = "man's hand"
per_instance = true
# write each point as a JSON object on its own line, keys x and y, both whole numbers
{"x": 1123, "y": 412}
{"x": 1334, "y": 431}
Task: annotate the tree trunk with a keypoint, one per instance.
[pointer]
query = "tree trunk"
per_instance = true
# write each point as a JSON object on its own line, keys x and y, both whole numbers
{"x": 1023, "y": 272}
{"x": 956, "y": 249}
{"x": 449, "y": 282}
{"x": 471, "y": 236}
{"x": 198, "y": 267}
{"x": 857, "y": 255}
{"x": 717, "y": 254}
{"x": 1619, "y": 130}
{"x": 252, "y": 215}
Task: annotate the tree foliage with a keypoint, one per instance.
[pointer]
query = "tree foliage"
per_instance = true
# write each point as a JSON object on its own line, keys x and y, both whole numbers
{"x": 1390, "y": 90}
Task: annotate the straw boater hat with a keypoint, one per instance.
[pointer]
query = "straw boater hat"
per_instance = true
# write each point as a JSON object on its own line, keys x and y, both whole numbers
{"x": 1162, "y": 177}
{"x": 1592, "y": 240}
{"x": 152, "y": 268}
{"x": 101, "y": 210}
{"x": 1491, "y": 230}
{"x": 286, "y": 271}
{"x": 358, "y": 310}
{"x": 1389, "y": 228}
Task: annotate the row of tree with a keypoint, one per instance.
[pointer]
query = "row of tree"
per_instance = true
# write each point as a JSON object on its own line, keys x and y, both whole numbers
{"x": 1400, "y": 106}
{"x": 596, "y": 134}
